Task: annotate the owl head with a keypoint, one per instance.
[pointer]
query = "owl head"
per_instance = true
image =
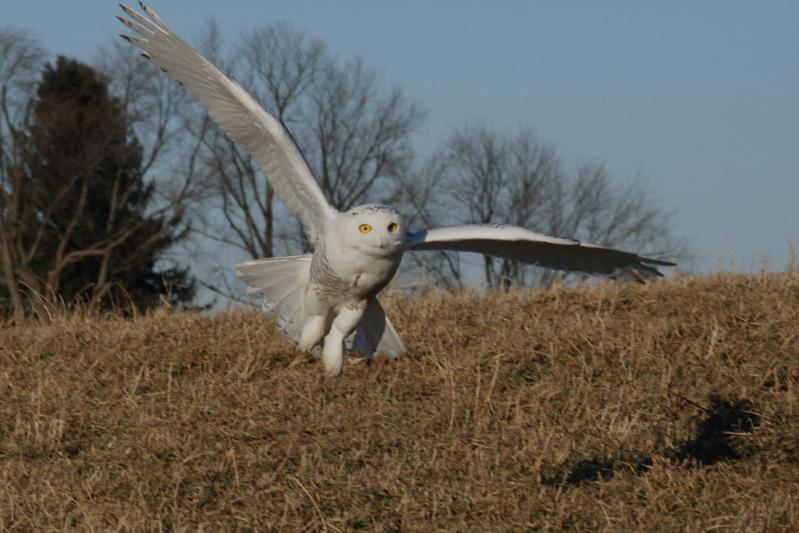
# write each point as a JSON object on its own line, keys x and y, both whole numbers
{"x": 373, "y": 230}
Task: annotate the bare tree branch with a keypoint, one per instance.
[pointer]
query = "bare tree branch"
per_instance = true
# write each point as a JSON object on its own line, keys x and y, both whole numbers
{"x": 515, "y": 178}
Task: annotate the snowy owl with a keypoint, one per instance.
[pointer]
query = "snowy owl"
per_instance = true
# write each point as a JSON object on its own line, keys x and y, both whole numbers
{"x": 327, "y": 301}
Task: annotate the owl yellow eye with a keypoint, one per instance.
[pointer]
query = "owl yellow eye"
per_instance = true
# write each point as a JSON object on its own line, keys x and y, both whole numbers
{"x": 393, "y": 227}
{"x": 364, "y": 228}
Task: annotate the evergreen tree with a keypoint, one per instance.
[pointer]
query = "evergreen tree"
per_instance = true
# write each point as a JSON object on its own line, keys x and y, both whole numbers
{"x": 87, "y": 201}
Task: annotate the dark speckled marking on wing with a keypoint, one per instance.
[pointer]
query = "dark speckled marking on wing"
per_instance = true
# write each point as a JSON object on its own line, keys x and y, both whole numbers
{"x": 324, "y": 279}
{"x": 492, "y": 225}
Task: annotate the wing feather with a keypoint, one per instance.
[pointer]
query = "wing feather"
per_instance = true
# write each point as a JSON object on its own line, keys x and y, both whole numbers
{"x": 242, "y": 118}
{"x": 519, "y": 244}
{"x": 375, "y": 334}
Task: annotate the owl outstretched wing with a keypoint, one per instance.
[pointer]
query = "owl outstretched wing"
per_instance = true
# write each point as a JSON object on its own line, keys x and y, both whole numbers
{"x": 519, "y": 244}
{"x": 239, "y": 115}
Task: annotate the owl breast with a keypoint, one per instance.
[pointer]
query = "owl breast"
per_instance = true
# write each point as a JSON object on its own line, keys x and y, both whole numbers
{"x": 349, "y": 276}
{"x": 373, "y": 279}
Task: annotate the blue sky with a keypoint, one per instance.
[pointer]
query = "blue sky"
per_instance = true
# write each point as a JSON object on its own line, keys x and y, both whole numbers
{"x": 702, "y": 97}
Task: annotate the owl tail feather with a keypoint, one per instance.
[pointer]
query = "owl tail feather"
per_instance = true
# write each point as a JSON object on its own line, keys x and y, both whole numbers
{"x": 281, "y": 282}
{"x": 375, "y": 334}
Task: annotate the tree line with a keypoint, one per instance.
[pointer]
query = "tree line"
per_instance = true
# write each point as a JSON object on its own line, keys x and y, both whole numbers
{"x": 108, "y": 170}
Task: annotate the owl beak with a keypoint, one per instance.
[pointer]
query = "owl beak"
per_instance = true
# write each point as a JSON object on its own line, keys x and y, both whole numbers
{"x": 387, "y": 244}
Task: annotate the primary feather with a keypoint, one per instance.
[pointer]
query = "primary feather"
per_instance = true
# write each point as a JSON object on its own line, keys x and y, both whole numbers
{"x": 519, "y": 244}
{"x": 242, "y": 118}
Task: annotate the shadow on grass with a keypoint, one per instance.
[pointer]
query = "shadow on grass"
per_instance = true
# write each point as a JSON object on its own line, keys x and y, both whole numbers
{"x": 717, "y": 429}
{"x": 714, "y": 442}
{"x": 596, "y": 470}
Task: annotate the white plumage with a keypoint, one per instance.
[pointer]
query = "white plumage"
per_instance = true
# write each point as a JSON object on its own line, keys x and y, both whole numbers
{"x": 327, "y": 302}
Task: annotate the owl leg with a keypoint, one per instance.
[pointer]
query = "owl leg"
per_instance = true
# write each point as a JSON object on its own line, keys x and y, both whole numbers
{"x": 312, "y": 333}
{"x": 318, "y": 318}
{"x": 333, "y": 350}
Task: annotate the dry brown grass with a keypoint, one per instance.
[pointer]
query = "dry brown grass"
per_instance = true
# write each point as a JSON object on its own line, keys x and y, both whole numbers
{"x": 665, "y": 407}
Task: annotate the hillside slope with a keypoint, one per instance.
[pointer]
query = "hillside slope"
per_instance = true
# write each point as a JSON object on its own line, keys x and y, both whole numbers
{"x": 668, "y": 406}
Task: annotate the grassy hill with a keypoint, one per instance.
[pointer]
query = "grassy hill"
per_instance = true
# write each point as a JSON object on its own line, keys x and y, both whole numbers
{"x": 671, "y": 406}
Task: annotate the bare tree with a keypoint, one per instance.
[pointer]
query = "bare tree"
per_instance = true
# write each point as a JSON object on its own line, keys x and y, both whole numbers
{"x": 277, "y": 64}
{"x": 21, "y": 58}
{"x": 478, "y": 176}
{"x": 353, "y": 131}
{"x": 490, "y": 177}
{"x": 535, "y": 196}
{"x": 360, "y": 133}
{"x": 423, "y": 197}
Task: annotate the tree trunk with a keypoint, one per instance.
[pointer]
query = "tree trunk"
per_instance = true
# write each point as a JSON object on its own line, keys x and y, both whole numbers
{"x": 10, "y": 279}
{"x": 101, "y": 285}
{"x": 489, "y": 271}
